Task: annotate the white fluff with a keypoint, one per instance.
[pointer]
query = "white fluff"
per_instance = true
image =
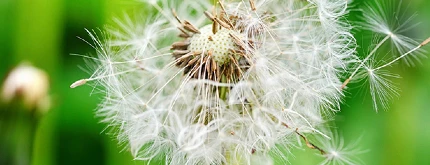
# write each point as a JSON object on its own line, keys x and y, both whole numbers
{"x": 293, "y": 84}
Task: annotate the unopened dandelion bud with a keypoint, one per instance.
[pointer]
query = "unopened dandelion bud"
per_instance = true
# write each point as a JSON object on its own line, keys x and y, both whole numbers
{"x": 29, "y": 83}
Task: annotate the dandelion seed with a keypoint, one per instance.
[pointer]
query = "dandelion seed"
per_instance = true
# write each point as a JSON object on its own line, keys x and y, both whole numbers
{"x": 78, "y": 83}
{"x": 339, "y": 153}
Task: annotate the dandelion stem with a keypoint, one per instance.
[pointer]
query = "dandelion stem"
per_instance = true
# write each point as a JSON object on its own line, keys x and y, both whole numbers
{"x": 223, "y": 90}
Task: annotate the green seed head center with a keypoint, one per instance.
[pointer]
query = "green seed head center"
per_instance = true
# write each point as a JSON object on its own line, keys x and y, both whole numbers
{"x": 220, "y": 43}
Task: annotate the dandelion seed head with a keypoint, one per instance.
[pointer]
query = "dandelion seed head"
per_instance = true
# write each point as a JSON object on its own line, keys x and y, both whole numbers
{"x": 228, "y": 83}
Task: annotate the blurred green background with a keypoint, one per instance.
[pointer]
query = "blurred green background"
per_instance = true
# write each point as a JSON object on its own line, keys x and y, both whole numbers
{"x": 45, "y": 33}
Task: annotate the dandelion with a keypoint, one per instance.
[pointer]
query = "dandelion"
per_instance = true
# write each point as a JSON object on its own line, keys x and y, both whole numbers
{"x": 230, "y": 82}
{"x": 25, "y": 90}
{"x": 28, "y": 83}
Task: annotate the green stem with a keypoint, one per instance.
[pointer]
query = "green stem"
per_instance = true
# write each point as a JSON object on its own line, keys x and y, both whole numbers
{"x": 230, "y": 160}
{"x": 25, "y": 139}
{"x": 19, "y": 127}
{"x": 223, "y": 90}
{"x": 223, "y": 96}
